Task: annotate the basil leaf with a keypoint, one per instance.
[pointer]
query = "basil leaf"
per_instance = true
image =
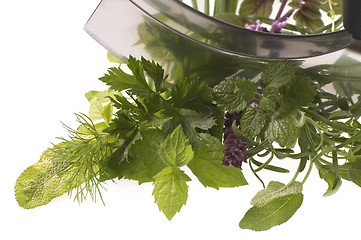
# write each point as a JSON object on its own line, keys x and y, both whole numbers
{"x": 234, "y": 94}
{"x": 176, "y": 150}
{"x": 207, "y": 165}
{"x": 170, "y": 190}
{"x": 274, "y": 212}
{"x": 262, "y": 8}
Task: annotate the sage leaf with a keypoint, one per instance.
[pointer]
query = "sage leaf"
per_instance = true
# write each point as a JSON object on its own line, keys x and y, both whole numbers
{"x": 170, "y": 190}
{"x": 42, "y": 182}
{"x": 275, "y": 190}
{"x": 207, "y": 165}
{"x": 275, "y": 212}
{"x": 176, "y": 149}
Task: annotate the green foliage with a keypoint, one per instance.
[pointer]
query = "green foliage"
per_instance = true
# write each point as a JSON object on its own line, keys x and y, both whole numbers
{"x": 262, "y": 8}
{"x": 170, "y": 190}
{"x": 275, "y": 212}
{"x": 208, "y": 168}
{"x": 175, "y": 150}
{"x": 234, "y": 94}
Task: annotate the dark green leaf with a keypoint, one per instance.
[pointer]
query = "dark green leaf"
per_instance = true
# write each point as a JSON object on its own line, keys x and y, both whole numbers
{"x": 170, "y": 190}
{"x": 262, "y": 8}
{"x": 279, "y": 73}
{"x": 308, "y": 15}
{"x": 234, "y": 94}
{"x": 143, "y": 161}
{"x": 207, "y": 165}
{"x": 193, "y": 94}
{"x": 156, "y": 73}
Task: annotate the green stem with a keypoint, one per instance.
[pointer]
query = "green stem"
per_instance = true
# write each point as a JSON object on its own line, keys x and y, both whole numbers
{"x": 335, "y": 125}
{"x": 206, "y": 7}
{"x": 327, "y": 149}
{"x": 194, "y": 4}
{"x": 250, "y": 166}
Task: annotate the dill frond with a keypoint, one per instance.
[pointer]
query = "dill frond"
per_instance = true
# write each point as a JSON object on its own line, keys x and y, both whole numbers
{"x": 86, "y": 151}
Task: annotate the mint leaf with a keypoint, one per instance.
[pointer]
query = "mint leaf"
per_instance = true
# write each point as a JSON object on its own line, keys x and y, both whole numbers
{"x": 275, "y": 190}
{"x": 234, "y": 94}
{"x": 143, "y": 161}
{"x": 170, "y": 190}
{"x": 262, "y": 8}
{"x": 42, "y": 182}
{"x": 176, "y": 150}
{"x": 207, "y": 165}
{"x": 252, "y": 122}
{"x": 274, "y": 212}
{"x": 279, "y": 73}
{"x": 283, "y": 130}
{"x": 299, "y": 92}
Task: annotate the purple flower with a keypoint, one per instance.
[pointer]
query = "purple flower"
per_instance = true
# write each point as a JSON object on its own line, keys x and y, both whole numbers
{"x": 256, "y": 27}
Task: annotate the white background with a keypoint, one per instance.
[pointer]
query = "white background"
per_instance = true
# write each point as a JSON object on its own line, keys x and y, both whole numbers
{"x": 47, "y": 65}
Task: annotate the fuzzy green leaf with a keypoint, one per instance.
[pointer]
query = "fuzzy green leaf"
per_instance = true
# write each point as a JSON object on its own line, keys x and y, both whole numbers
{"x": 275, "y": 190}
{"x": 253, "y": 122}
{"x": 234, "y": 94}
{"x": 170, "y": 190}
{"x": 42, "y": 182}
{"x": 283, "y": 131}
{"x": 208, "y": 168}
{"x": 279, "y": 73}
{"x": 176, "y": 150}
{"x": 275, "y": 212}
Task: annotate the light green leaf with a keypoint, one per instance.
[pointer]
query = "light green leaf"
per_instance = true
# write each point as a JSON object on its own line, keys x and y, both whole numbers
{"x": 194, "y": 119}
{"x": 107, "y": 112}
{"x": 283, "y": 131}
{"x": 143, "y": 161}
{"x": 208, "y": 168}
{"x": 42, "y": 182}
{"x": 275, "y": 212}
{"x": 275, "y": 190}
{"x": 170, "y": 190}
{"x": 113, "y": 58}
{"x": 176, "y": 149}
{"x": 234, "y": 94}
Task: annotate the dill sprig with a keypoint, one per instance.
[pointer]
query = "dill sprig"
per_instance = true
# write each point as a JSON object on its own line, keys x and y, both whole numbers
{"x": 86, "y": 151}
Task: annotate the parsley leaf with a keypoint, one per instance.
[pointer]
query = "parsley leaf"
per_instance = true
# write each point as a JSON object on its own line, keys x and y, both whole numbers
{"x": 234, "y": 94}
{"x": 170, "y": 190}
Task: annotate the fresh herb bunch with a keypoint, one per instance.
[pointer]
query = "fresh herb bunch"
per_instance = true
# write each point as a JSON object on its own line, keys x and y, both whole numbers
{"x": 149, "y": 126}
{"x": 162, "y": 125}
